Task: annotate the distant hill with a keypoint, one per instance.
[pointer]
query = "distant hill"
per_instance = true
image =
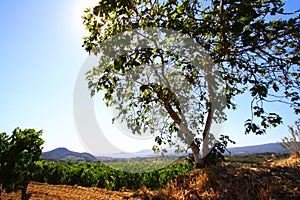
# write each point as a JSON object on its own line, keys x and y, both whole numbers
{"x": 271, "y": 147}
{"x": 63, "y": 154}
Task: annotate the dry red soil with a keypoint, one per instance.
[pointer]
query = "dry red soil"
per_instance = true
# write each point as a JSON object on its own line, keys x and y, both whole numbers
{"x": 38, "y": 191}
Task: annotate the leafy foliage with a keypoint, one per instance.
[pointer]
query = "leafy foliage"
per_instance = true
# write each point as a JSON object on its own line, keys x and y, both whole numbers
{"x": 253, "y": 52}
{"x": 19, "y": 153}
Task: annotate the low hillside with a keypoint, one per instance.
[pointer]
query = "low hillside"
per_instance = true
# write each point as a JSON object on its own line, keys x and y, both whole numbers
{"x": 63, "y": 154}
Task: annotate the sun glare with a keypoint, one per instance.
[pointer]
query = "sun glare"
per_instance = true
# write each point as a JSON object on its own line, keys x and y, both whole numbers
{"x": 77, "y": 12}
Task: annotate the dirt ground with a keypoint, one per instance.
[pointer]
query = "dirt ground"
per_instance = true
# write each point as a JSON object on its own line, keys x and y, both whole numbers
{"x": 38, "y": 191}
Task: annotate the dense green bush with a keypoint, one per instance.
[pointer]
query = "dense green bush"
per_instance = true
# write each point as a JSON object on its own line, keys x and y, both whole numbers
{"x": 19, "y": 153}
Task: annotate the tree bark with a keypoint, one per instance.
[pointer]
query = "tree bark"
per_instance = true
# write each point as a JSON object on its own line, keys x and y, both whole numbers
{"x": 24, "y": 190}
{"x": 205, "y": 148}
{"x": 199, "y": 162}
{"x": 195, "y": 148}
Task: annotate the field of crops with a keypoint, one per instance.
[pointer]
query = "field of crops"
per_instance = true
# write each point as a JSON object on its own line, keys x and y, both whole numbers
{"x": 116, "y": 175}
{"x": 103, "y": 176}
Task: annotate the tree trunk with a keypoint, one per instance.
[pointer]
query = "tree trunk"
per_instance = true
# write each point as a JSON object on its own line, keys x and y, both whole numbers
{"x": 205, "y": 135}
{"x": 23, "y": 190}
{"x": 199, "y": 162}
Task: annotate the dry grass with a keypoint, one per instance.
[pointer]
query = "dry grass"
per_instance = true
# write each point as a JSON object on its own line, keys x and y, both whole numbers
{"x": 292, "y": 161}
{"x": 279, "y": 181}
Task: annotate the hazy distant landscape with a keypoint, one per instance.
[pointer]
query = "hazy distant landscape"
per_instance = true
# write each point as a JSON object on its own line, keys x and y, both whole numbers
{"x": 63, "y": 154}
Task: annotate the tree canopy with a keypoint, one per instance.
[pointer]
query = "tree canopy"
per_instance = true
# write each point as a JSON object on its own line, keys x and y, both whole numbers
{"x": 254, "y": 47}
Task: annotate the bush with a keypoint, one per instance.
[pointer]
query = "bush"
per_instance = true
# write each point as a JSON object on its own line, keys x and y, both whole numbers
{"x": 292, "y": 143}
{"x": 18, "y": 155}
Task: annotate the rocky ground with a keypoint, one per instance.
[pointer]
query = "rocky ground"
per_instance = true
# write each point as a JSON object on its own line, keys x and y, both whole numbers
{"x": 271, "y": 180}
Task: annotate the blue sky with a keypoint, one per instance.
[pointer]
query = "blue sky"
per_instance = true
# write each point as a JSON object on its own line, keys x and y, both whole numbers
{"x": 41, "y": 55}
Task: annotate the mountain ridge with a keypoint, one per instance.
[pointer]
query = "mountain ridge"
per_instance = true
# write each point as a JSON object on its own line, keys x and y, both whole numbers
{"x": 63, "y": 154}
{"x": 261, "y": 148}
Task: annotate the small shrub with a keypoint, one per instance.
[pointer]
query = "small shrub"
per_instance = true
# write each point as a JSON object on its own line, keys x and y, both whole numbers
{"x": 292, "y": 143}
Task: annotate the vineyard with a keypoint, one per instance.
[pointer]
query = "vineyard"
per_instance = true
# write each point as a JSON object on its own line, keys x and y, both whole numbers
{"x": 102, "y": 176}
